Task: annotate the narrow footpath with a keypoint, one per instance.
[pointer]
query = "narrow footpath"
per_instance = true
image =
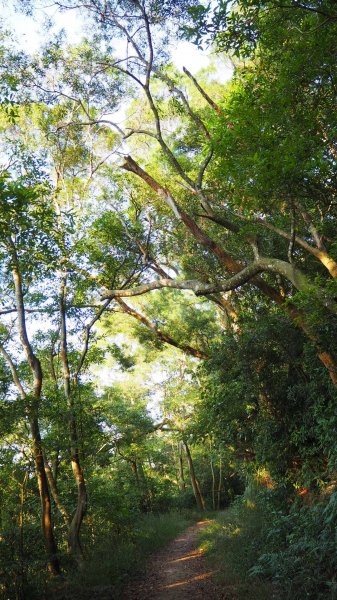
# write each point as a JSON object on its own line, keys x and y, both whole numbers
{"x": 178, "y": 572}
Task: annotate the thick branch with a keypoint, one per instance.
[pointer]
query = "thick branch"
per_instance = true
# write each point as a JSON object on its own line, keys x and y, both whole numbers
{"x": 232, "y": 265}
{"x": 225, "y": 258}
{"x": 320, "y": 252}
{"x": 54, "y": 491}
{"x": 202, "y": 92}
{"x": 14, "y": 372}
{"x": 87, "y": 338}
{"x": 200, "y": 288}
{"x": 271, "y": 265}
{"x": 33, "y": 361}
{"x": 164, "y": 337}
{"x": 194, "y": 117}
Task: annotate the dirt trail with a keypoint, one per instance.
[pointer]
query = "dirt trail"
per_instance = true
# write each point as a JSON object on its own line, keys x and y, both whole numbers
{"x": 178, "y": 572}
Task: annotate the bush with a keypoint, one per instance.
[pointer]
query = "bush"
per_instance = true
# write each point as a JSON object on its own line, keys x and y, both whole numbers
{"x": 116, "y": 558}
{"x": 301, "y": 552}
{"x": 232, "y": 544}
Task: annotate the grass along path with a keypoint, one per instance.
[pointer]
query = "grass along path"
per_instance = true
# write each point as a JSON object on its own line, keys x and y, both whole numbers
{"x": 178, "y": 572}
{"x": 231, "y": 544}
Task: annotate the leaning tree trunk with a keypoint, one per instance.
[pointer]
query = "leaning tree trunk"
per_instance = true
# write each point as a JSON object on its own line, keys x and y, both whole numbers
{"x": 54, "y": 491}
{"x": 234, "y": 266}
{"x": 196, "y": 489}
{"x": 32, "y": 409}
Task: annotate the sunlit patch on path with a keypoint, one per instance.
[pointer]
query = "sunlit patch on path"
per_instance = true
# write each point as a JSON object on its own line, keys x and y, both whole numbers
{"x": 177, "y": 572}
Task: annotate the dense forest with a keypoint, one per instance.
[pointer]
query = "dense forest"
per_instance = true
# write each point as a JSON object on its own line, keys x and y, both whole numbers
{"x": 168, "y": 318}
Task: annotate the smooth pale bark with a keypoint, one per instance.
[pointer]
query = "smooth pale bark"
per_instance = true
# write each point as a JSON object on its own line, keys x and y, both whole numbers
{"x": 247, "y": 274}
{"x": 318, "y": 252}
{"x": 196, "y": 488}
{"x": 321, "y": 254}
{"x": 200, "y": 288}
{"x": 203, "y": 93}
{"x": 233, "y": 266}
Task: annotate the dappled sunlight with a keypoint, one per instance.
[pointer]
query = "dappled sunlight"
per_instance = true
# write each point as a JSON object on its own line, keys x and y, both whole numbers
{"x": 263, "y": 478}
{"x": 189, "y": 581}
{"x": 189, "y": 556}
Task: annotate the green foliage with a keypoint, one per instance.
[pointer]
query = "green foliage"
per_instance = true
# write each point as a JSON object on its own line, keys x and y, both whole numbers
{"x": 256, "y": 176}
{"x": 27, "y": 221}
{"x": 270, "y": 400}
{"x": 300, "y": 551}
{"x": 232, "y": 543}
{"x": 121, "y": 553}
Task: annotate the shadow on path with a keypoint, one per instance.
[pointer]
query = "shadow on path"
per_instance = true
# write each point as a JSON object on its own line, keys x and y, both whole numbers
{"x": 178, "y": 572}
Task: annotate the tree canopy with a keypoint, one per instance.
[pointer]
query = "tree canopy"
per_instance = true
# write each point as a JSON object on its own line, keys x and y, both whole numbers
{"x": 168, "y": 281}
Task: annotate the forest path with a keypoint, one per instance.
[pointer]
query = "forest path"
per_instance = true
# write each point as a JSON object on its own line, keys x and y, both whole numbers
{"x": 178, "y": 572}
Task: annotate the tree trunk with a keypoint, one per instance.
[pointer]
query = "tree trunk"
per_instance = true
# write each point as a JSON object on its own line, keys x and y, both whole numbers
{"x": 213, "y": 476}
{"x": 182, "y": 483}
{"x": 219, "y": 485}
{"x": 19, "y": 593}
{"x": 54, "y": 491}
{"x": 135, "y": 471}
{"x": 235, "y": 266}
{"x": 81, "y": 508}
{"x": 74, "y": 543}
{"x": 196, "y": 489}
{"x": 46, "y": 518}
{"x": 35, "y": 367}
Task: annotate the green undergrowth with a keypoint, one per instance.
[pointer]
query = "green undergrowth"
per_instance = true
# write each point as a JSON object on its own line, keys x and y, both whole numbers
{"x": 116, "y": 558}
{"x": 231, "y": 543}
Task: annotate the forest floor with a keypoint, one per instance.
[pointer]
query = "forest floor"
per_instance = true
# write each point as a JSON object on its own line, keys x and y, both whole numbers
{"x": 179, "y": 572}
{"x": 206, "y": 561}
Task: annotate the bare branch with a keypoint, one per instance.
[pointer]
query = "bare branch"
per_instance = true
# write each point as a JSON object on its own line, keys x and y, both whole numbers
{"x": 33, "y": 361}
{"x": 202, "y": 92}
{"x": 164, "y": 337}
{"x": 87, "y": 337}
{"x": 15, "y": 376}
{"x": 247, "y": 274}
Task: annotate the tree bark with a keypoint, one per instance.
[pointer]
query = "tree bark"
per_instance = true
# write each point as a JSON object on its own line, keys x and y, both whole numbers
{"x": 74, "y": 542}
{"x": 182, "y": 483}
{"x": 164, "y": 337}
{"x": 213, "y": 475}
{"x": 54, "y": 491}
{"x": 219, "y": 485}
{"x": 196, "y": 489}
{"x": 33, "y": 405}
{"x": 46, "y": 516}
{"x": 234, "y": 266}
